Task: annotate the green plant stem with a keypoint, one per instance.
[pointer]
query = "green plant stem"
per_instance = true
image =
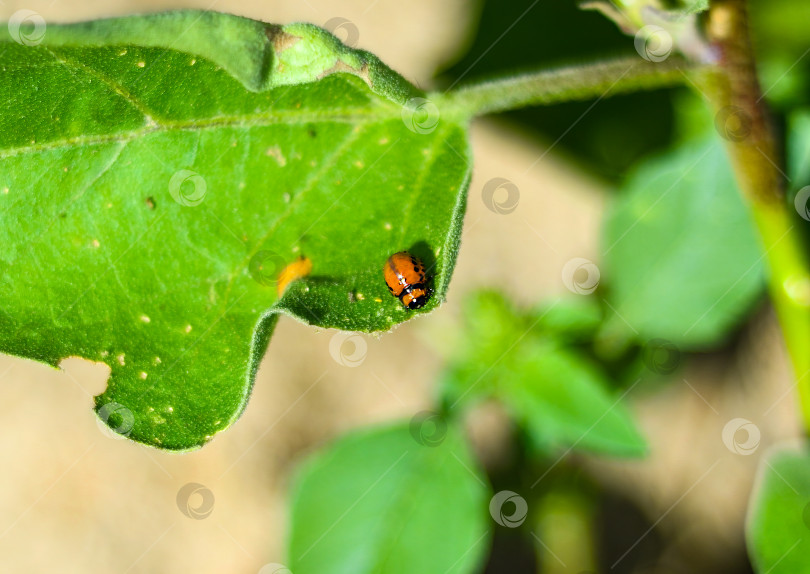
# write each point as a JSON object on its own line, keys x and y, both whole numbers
{"x": 759, "y": 166}
{"x": 565, "y": 523}
{"x": 789, "y": 287}
{"x": 561, "y": 85}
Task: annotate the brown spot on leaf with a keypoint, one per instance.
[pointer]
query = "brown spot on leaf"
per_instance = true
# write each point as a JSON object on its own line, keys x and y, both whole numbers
{"x": 275, "y": 153}
{"x": 280, "y": 39}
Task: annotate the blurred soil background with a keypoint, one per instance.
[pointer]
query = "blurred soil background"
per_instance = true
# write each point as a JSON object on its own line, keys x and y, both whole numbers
{"x": 75, "y": 500}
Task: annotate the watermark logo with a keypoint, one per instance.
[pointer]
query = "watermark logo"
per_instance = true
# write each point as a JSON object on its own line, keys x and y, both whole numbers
{"x": 741, "y": 436}
{"x": 581, "y": 276}
{"x": 195, "y": 501}
{"x": 661, "y": 356}
{"x": 500, "y": 196}
{"x": 265, "y": 267}
{"x": 802, "y": 202}
{"x": 508, "y": 509}
{"x": 733, "y": 123}
{"x": 653, "y": 43}
{"x": 115, "y": 420}
{"x": 344, "y": 29}
{"x": 27, "y": 27}
{"x": 428, "y": 428}
{"x": 187, "y": 188}
{"x": 421, "y": 116}
{"x": 348, "y": 349}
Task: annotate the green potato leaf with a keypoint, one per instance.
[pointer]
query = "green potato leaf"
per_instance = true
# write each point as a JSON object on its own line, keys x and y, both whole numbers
{"x": 398, "y": 500}
{"x": 682, "y": 260}
{"x": 157, "y": 174}
{"x": 531, "y": 364}
{"x": 778, "y": 525}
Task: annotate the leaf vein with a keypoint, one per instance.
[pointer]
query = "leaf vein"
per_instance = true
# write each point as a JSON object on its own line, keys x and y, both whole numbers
{"x": 109, "y": 82}
{"x": 350, "y": 138}
{"x": 244, "y": 122}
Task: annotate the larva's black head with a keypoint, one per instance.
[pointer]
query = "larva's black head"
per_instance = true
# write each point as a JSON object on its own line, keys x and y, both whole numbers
{"x": 415, "y": 296}
{"x": 418, "y": 302}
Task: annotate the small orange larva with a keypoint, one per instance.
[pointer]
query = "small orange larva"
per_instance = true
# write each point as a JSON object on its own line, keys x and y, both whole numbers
{"x": 405, "y": 276}
{"x": 299, "y": 268}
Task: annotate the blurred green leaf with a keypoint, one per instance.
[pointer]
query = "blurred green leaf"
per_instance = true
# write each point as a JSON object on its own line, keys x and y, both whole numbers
{"x": 159, "y": 171}
{"x": 570, "y": 319}
{"x": 779, "y": 31}
{"x": 563, "y": 400}
{"x": 786, "y": 81}
{"x": 681, "y": 258}
{"x": 552, "y": 390}
{"x": 694, "y": 119}
{"x": 780, "y": 26}
{"x": 379, "y": 501}
{"x": 778, "y": 531}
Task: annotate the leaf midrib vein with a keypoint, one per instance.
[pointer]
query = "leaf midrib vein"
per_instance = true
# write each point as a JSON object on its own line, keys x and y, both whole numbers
{"x": 419, "y": 185}
{"x": 243, "y": 122}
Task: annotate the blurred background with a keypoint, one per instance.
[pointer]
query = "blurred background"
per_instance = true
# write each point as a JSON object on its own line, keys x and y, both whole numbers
{"x": 74, "y": 499}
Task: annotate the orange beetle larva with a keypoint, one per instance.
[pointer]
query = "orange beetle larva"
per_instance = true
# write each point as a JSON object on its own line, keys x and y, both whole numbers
{"x": 299, "y": 268}
{"x": 404, "y": 274}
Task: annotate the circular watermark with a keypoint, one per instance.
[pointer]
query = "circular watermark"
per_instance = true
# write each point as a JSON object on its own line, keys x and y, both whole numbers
{"x": 661, "y": 356}
{"x": 741, "y": 436}
{"x": 187, "y": 188}
{"x": 274, "y": 568}
{"x": 115, "y": 420}
{"x": 27, "y": 27}
{"x": 505, "y": 501}
{"x": 500, "y": 195}
{"x": 802, "y": 202}
{"x": 733, "y": 123}
{"x": 341, "y": 27}
{"x": 421, "y": 116}
{"x": 348, "y": 349}
{"x": 195, "y": 500}
{"x": 265, "y": 267}
{"x": 581, "y": 276}
{"x": 653, "y": 43}
{"x": 428, "y": 428}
